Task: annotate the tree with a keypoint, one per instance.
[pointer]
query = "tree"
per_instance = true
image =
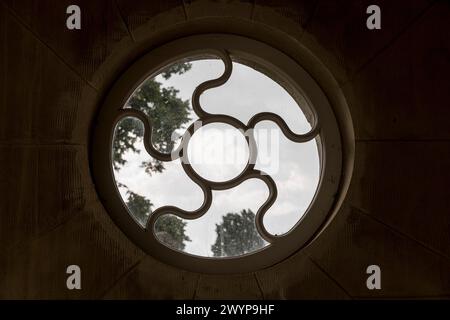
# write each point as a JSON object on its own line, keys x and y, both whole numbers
{"x": 236, "y": 235}
{"x": 139, "y": 206}
{"x": 169, "y": 229}
{"x": 167, "y": 113}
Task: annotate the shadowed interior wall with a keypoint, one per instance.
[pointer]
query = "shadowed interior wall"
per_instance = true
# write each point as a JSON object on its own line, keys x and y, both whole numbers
{"x": 395, "y": 81}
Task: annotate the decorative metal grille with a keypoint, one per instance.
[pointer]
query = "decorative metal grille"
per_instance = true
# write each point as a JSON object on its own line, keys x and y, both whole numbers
{"x": 206, "y": 118}
{"x": 327, "y": 121}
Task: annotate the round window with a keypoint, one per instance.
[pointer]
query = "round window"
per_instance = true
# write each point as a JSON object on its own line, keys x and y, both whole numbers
{"x": 217, "y": 153}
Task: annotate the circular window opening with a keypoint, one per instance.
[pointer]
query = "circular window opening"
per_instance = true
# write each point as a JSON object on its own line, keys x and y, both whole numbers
{"x": 217, "y": 153}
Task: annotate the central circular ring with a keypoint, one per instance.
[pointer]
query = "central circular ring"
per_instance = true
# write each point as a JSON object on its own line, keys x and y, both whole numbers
{"x": 218, "y": 152}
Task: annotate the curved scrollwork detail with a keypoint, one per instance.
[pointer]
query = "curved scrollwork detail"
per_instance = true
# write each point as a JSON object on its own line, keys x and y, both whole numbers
{"x": 206, "y": 185}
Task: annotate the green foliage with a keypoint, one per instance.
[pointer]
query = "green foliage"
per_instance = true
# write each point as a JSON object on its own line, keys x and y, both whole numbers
{"x": 139, "y": 206}
{"x": 126, "y": 135}
{"x": 236, "y": 235}
{"x": 171, "y": 230}
{"x": 177, "y": 68}
{"x": 168, "y": 228}
{"x": 166, "y": 112}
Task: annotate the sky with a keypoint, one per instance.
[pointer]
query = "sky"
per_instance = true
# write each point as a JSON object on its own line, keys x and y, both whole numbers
{"x": 294, "y": 167}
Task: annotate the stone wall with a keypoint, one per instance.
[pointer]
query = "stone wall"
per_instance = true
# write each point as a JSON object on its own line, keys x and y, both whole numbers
{"x": 397, "y": 211}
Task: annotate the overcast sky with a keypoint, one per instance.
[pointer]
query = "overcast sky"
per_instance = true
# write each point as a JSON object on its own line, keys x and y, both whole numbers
{"x": 293, "y": 166}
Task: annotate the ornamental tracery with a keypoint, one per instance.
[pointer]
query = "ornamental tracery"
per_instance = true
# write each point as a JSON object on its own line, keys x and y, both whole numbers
{"x": 205, "y": 118}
